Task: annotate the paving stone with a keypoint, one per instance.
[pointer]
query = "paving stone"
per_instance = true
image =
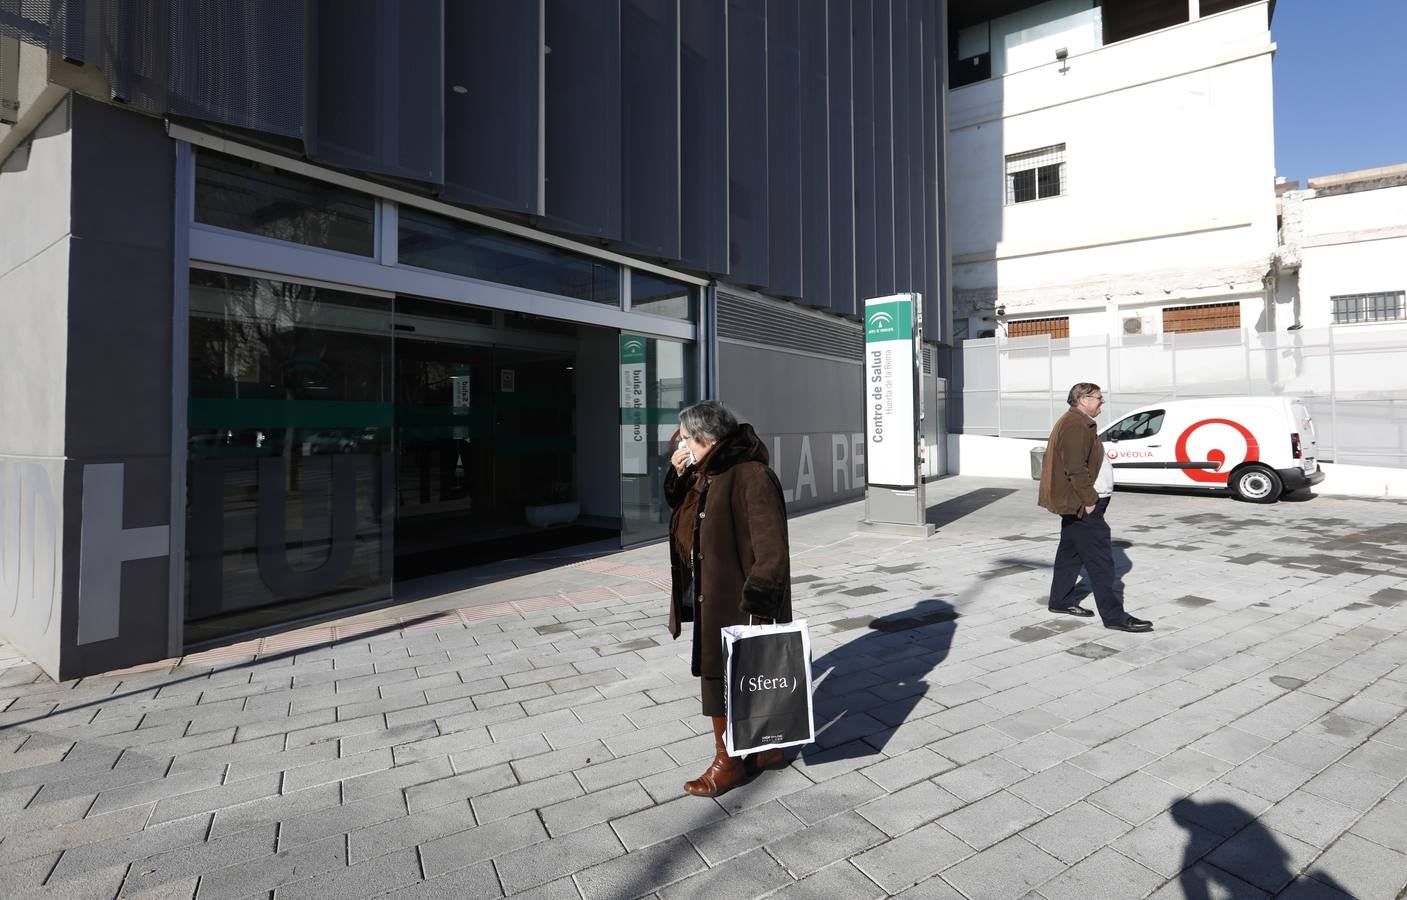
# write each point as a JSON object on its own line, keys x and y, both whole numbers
{"x": 447, "y": 843}
{"x": 533, "y": 795}
{"x": 906, "y": 860}
{"x": 1306, "y": 887}
{"x": 1004, "y": 871}
{"x": 1357, "y": 788}
{"x": 817, "y": 802}
{"x": 1362, "y": 868}
{"x": 978, "y": 779}
{"x": 1136, "y": 798}
{"x": 1231, "y": 744}
{"x": 1167, "y": 844}
{"x": 840, "y": 879}
{"x": 1057, "y": 787}
{"x": 137, "y": 845}
{"x": 274, "y": 809}
{"x": 1385, "y": 824}
{"x": 61, "y": 826}
{"x": 1262, "y": 857}
{"x": 1206, "y": 880}
{"x": 908, "y": 768}
{"x": 666, "y": 820}
{"x": 599, "y": 776}
{"x": 478, "y": 881}
{"x": 1106, "y": 875}
{"x": 337, "y": 770}
{"x": 219, "y": 797}
{"x": 1268, "y": 777}
{"x": 1113, "y": 760}
{"x": 748, "y": 875}
{"x": 642, "y": 872}
{"x": 541, "y": 863}
{"x": 907, "y": 809}
{"x": 1075, "y": 832}
{"x": 558, "y": 762}
{"x": 199, "y": 859}
{"x": 1310, "y": 818}
{"x": 273, "y": 871}
{"x": 340, "y": 820}
{"x": 989, "y": 820}
{"x": 836, "y": 838}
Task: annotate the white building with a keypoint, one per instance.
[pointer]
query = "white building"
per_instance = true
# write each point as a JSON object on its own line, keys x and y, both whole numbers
{"x": 1343, "y": 252}
{"x": 1111, "y": 167}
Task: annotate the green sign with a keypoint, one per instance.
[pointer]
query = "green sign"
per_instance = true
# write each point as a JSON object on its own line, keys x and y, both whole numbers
{"x": 632, "y": 349}
{"x": 893, "y": 321}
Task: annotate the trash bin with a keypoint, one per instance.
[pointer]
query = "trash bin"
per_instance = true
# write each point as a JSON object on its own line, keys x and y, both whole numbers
{"x": 1037, "y": 460}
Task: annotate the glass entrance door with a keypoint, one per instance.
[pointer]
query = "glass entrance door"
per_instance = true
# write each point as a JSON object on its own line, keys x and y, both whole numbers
{"x": 486, "y": 440}
{"x": 657, "y": 380}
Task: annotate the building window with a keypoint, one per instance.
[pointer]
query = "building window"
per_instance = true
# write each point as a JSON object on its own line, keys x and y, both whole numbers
{"x": 1385, "y": 307}
{"x": 1206, "y": 317}
{"x": 1035, "y": 174}
{"x": 258, "y": 199}
{"x": 1056, "y": 328}
{"x": 428, "y": 241}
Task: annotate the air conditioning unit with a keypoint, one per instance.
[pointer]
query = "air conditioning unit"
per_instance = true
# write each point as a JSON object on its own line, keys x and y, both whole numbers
{"x": 1134, "y": 325}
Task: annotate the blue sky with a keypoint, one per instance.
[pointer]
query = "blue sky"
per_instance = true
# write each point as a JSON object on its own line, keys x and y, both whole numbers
{"x": 1340, "y": 86}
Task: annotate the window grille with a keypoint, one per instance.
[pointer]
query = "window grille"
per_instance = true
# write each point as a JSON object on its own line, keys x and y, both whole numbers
{"x": 1205, "y": 317}
{"x": 1056, "y": 327}
{"x": 1382, "y": 307}
{"x": 1035, "y": 174}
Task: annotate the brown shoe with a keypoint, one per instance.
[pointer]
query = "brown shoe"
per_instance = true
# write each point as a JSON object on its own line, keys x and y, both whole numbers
{"x": 724, "y": 773}
{"x": 766, "y": 759}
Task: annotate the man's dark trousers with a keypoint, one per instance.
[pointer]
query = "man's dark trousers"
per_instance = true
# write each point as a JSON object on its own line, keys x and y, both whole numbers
{"x": 1085, "y": 541}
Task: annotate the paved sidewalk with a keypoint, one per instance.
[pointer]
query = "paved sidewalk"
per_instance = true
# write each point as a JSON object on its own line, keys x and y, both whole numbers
{"x": 530, "y": 736}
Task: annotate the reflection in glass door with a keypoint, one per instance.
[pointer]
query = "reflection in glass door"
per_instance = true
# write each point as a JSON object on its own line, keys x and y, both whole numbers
{"x": 288, "y": 447}
{"x": 657, "y": 380}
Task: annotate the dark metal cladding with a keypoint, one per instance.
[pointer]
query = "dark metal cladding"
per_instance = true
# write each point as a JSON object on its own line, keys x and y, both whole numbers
{"x": 583, "y": 116}
{"x": 815, "y": 158}
{"x": 494, "y": 84}
{"x": 704, "y": 127}
{"x": 650, "y": 114}
{"x": 748, "y": 238}
{"x": 842, "y": 161}
{"x": 376, "y": 86}
{"x": 784, "y": 147}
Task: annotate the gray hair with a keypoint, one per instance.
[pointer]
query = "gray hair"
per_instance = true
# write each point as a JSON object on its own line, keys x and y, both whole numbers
{"x": 709, "y": 419}
{"x": 1081, "y": 391}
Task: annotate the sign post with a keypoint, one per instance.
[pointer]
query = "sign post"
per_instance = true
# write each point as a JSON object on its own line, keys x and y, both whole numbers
{"x": 894, "y": 497}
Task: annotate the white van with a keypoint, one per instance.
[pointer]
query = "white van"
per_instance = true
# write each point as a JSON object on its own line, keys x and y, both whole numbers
{"x": 1258, "y": 447}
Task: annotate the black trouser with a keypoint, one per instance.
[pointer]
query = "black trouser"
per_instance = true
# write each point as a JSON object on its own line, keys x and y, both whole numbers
{"x": 1085, "y": 541}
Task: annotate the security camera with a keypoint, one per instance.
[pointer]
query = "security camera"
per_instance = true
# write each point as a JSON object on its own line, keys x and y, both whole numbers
{"x": 1001, "y": 310}
{"x": 1061, "y": 54}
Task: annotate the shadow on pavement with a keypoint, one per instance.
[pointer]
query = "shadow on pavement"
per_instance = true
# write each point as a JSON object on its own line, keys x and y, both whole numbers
{"x": 1267, "y": 862}
{"x": 951, "y": 510}
{"x": 871, "y": 685}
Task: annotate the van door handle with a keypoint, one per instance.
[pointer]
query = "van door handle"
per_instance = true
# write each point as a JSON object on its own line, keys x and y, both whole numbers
{"x": 1155, "y": 445}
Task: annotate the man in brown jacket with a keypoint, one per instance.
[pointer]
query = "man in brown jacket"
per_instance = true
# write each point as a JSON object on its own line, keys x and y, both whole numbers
{"x": 1076, "y": 484}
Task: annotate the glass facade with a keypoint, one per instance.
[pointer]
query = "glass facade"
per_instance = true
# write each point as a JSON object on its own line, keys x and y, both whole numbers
{"x": 657, "y": 380}
{"x": 256, "y": 199}
{"x": 662, "y": 296}
{"x": 289, "y": 418}
{"x": 341, "y": 443}
{"x": 428, "y": 241}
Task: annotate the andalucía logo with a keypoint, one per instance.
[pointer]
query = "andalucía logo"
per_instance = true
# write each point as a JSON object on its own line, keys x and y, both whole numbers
{"x": 888, "y": 321}
{"x": 632, "y": 349}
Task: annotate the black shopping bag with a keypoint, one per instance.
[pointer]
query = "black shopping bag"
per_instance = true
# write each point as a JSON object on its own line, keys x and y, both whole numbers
{"x": 768, "y": 670}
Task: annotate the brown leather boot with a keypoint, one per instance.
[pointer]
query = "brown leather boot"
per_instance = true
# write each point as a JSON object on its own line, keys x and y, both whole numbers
{"x": 766, "y": 759}
{"x": 724, "y": 773}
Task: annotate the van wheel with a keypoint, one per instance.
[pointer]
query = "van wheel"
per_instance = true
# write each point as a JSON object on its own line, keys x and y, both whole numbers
{"x": 1256, "y": 484}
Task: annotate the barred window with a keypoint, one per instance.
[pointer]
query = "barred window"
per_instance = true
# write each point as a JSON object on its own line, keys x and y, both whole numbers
{"x": 1204, "y": 317}
{"x": 1384, "y": 307}
{"x": 1056, "y": 328}
{"x": 1035, "y": 174}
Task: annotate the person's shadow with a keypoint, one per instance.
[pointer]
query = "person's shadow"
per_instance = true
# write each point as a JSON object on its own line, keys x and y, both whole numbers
{"x": 868, "y": 687}
{"x": 1252, "y": 852}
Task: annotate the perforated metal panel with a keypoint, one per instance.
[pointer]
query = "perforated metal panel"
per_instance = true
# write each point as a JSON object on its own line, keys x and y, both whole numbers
{"x": 774, "y": 325}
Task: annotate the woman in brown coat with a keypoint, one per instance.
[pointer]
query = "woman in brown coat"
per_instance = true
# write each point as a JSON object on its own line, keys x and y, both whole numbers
{"x": 729, "y": 560}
